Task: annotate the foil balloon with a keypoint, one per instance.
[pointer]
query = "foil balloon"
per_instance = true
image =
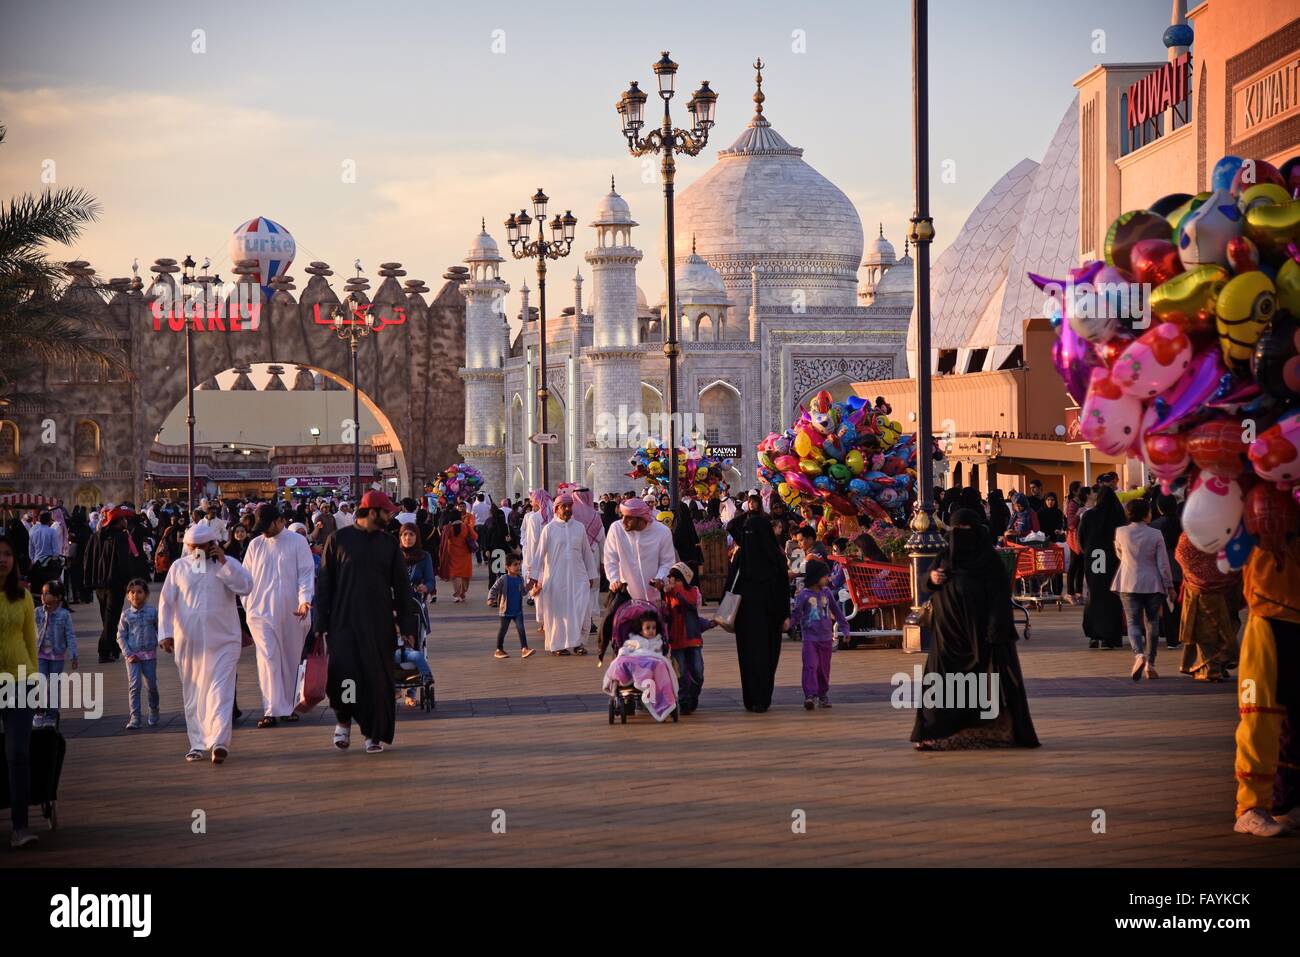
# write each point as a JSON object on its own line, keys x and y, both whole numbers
{"x": 1276, "y": 361}
{"x": 1275, "y": 453}
{"x": 785, "y": 463}
{"x": 800, "y": 483}
{"x": 1129, "y": 229}
{"x": 1167, "y": 204}
{"x": 1203, "y": 237}
{"x": 1166, "y": 457}
{"x": 1179, "y": 215}
{"x": 1110, "y": 417}
{"x": 1203, "y": 379}
{"x": 1253, "y": 171}
{"x": 1155, "y": 261}
{"x": 1272, "y": 227}
{"x": 1225, "y": 172}
{"x": 1245, "y": 306}
{"x": 1287, "y": 283}
{"x": 1212, "y": 512}
{"x": 1153, "y": 362}
{"x": 1234, "y": 554}
{"x": 1074, "y": 361}
{"x": 1218, "y": 447}
{"x": 1270, "y": 515}
{"x": 788, "y": 495}
{"x": 1243, "y": 255}
{"x": 1263, "y": 194}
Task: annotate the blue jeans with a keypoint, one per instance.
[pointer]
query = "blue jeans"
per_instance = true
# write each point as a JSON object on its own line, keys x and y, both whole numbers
{"x": 49, "y": 668}
{"x": 1136, "y": 606}
{"x": 690, "y": 668}
{"x": 505, "y": 626}
{"x": 17, "y": 726}
{"x": 135, "y": 671}
{"x": 405, "y": 655}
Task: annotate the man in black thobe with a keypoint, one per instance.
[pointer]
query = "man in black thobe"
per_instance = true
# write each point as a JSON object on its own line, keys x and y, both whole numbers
{"x": 363, "y": 601}
{"x": 107, "y": 567}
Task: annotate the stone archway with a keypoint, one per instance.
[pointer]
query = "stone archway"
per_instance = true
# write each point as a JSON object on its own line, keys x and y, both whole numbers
{"x": 403, "y": 367}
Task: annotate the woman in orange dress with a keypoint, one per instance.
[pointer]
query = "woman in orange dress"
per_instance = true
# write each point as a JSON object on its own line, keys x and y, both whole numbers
{"x": 456, "y": 554}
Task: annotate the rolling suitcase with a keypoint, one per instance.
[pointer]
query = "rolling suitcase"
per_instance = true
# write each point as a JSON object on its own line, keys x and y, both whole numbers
{"x": 47, "y": 751}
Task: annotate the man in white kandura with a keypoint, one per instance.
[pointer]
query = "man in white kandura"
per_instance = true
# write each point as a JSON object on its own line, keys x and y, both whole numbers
{"x": 585, "y": 514}
{"x": 568, "y": 570}
{"x": 198, "y": 622}
{"x": 530, "y": 540}
{"x": 278, "y": 610}
{"x": 638, "y": 552}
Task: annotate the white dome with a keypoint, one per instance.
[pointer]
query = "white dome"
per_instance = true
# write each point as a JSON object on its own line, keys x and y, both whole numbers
{"x": 699, "y": 284}
{"x": 761, "y": 205}
{"x": 881, "y": 250}
{"x": 897, "y": 286}
{"x": 484, "y": 249}
{"x": 642, "y": 304}
{"x": 613, "y": 210}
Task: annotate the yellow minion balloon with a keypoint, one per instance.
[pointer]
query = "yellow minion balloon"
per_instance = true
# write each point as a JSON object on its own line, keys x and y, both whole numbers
{"x": 1245, "y": 306}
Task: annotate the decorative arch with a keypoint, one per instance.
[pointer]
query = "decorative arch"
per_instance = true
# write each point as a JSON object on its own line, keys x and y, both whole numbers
{"x": 840, "y": 388}
{"x": 86, "y": 447}
{"x": 589, "y": 416}
{"x": 518, "y": 487}
{"x": 721, "y": 418}
{"x": 705, "y": 329}
{"x": 517, "y": 425}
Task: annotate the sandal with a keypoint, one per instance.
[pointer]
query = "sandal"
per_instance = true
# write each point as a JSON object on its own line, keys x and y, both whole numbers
{"x": 580, "y": 650}
{"x": 267, "y": 722}
{"x": 563, "y": 652}
{"x": 374, "y": 747}
{"x": 194, "y": 755}
{"x": 219, "y": 754}
{"x": 290, "y": 718}
{"x": 342, "y": 737}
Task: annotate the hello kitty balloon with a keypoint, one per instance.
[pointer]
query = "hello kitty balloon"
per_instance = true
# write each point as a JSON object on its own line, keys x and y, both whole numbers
{"x": 1275, "y": 454}
{"x": 1212, "y": 513}
{"x": 1153, "y": 362}
{"x": 1110, "y": 417}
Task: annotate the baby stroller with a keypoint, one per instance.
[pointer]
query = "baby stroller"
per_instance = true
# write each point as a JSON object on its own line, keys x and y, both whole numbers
{"x": 636, "y": 677}
{"x": 407, "y": 679}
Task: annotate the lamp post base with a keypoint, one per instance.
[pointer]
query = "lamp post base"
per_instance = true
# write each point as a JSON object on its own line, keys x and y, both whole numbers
{"x": 926, "y": 543}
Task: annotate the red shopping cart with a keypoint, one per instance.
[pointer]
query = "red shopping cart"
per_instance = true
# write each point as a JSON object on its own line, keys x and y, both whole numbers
{"x": 1038, "y": 569}
{"x": 878, "y": 594}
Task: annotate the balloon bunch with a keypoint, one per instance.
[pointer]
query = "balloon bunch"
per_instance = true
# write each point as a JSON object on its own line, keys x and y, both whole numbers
{"x": 1183, "y": 349}
{"x": 456, "y": 483}
{"x": 847, "y": 455}
{"x": 698, "y": 474}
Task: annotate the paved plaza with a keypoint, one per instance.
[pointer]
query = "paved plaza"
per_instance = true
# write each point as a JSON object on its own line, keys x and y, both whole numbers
{"x": 526, "y": 744}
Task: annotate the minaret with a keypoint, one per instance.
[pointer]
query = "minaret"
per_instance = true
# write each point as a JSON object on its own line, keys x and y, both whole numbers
{"x": 753, "y": 304}
{"x": 577, "y": 295}
{"x": 615, "y": 354}
{"x": 484, "y": 375}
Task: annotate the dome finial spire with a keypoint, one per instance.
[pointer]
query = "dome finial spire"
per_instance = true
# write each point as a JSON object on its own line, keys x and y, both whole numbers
{"x": 482, "y": 223}
{"x": 758, "y": 91}
{"x": 882, "y": 230}
{"x": 692, "y": 244}
{"x": 611, "y": 183}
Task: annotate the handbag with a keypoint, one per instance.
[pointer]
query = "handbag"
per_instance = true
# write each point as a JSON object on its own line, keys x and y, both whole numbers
{"x": 729, "y": 607}
{"x": 311, "y": 676}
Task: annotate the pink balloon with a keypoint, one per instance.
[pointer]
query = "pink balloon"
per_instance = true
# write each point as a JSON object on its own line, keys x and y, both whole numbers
{"x": 1191, "y": 393}
{"x": 1153, "y": 362}
{"x": 1212, "y": 512}
{"x": 1074, "y": 359}
{"x": 786, "y": 463}
{"x": 1275, "y": 454}
{"x": 1110, "y": 418}
{"x": 1166, "y": 457}
{"x": 800, "y": 483}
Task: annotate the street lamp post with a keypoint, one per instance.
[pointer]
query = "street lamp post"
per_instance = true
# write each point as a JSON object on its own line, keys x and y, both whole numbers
{"x": 518, "y": 233}
{"x": 926, "y": 540}
{"x": 668, "y": 140}
{"x": 187, "y": 280}
{"x": 352, "y": 323}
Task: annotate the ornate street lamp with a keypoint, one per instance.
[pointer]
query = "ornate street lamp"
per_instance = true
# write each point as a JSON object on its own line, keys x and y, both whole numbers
{"x": 668, "y": 140}
{"x": 926, "y": 540}
{"x": 352, "y": 323}
{"x": 525, "y": 246}
{"x": 187, "y": 282}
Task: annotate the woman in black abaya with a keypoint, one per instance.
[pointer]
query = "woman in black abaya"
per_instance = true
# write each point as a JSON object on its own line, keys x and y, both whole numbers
{"x": 1103, "y": 615}
{"x": 685, "y": 539}
{"x": 760, "y": 573}
{"x": 972, "y": 633}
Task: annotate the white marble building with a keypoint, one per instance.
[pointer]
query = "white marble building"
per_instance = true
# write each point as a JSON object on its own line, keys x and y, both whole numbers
{"x": 770, "y": 305}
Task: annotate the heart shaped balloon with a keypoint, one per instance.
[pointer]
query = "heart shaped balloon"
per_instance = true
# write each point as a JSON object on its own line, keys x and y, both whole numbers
{"x": 1155, "y": 261}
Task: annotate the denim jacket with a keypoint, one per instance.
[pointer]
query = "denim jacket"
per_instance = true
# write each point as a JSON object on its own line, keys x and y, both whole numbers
{"x": 55, "y": 638}
{"x": 137, "y": 632}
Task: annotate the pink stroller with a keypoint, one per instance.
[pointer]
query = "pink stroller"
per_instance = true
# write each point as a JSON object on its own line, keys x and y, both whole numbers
{"x": 640, "y": 673}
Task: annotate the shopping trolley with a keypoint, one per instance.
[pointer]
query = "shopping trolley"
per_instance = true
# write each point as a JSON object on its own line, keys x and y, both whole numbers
{"x": 1037, "y": 567}
{"x": 880, "y": 592}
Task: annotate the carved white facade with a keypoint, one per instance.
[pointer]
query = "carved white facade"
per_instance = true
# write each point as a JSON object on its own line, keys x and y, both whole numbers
{"x": 768, "y": 307}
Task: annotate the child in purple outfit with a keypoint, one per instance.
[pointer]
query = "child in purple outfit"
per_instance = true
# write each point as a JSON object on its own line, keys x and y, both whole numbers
{"x": 815, "y": 611}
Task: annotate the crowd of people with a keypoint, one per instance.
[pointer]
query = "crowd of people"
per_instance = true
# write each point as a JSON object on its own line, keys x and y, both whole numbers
{"x": 280, "y": 576}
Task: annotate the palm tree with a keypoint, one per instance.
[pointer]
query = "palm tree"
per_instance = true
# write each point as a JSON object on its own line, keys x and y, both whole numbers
{"x": 37, "y": 325}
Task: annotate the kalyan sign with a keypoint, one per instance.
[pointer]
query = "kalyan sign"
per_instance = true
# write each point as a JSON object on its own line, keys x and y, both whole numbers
{"x": 1162, "y": 88}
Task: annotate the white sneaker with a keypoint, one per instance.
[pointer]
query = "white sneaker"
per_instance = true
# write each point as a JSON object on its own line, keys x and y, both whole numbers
{"x": 1260, "y": 823}
{"x": 1290, "y": 820}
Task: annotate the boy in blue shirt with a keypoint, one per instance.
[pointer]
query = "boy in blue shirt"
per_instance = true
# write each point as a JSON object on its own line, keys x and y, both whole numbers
{"x": 507, "y": 593}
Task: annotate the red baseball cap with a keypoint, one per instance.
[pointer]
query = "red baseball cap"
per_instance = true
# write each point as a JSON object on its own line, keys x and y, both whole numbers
{"x": 377, "y": 499}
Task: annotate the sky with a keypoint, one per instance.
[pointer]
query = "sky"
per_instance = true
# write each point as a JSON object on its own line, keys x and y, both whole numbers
{"x": 185, "y": 119}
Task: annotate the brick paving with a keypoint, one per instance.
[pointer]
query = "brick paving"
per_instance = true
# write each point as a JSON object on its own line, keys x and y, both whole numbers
{"x": 528, "y": 742}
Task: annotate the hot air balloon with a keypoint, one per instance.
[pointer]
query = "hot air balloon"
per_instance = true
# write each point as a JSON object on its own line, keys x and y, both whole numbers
{"x": 267, "y": 242}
